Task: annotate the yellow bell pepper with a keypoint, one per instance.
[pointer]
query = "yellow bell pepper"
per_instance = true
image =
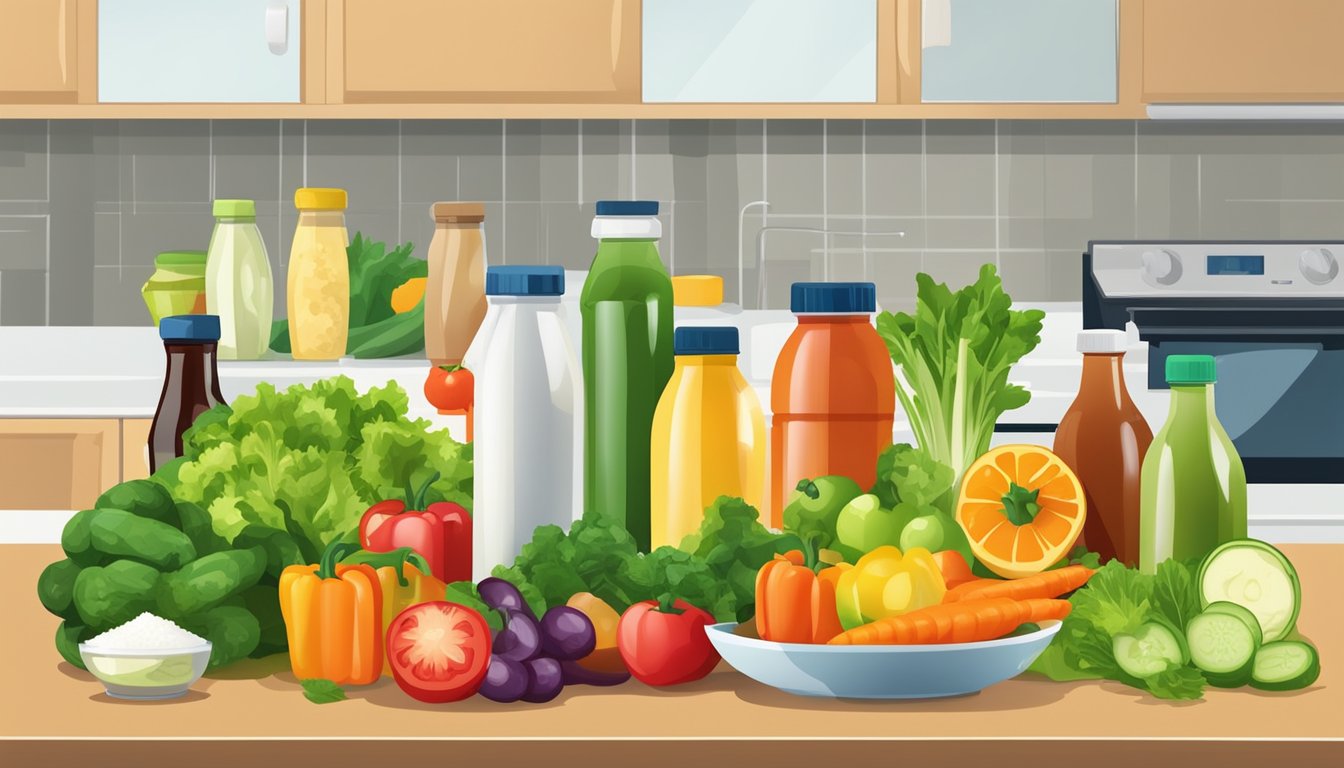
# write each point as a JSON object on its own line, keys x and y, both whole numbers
{"x": 403, "y": 579}
{"x": 332, "y": 617}
{"x": 886, "y": 583}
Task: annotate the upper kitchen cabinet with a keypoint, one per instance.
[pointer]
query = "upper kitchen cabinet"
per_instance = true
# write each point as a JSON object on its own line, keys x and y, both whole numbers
{"x": 199, "y": 51}
{"x": 39, "y": 51}
{"x": 483, "y": 51}
{"x": 1244, "y": 51}
{"x": 1028, "y": 51}
{"x": 744, "y": 51}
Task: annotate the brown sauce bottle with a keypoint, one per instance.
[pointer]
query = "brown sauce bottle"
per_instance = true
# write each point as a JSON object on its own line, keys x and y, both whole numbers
{"x": 190, "y": 384}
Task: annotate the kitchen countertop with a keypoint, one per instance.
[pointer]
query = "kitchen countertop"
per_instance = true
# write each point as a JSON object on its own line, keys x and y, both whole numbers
{"x": 54, "y": 713}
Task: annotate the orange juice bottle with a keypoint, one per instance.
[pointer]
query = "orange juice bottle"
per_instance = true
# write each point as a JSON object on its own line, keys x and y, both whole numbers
{"x": 833, "y": 392}
{"x": 708, "y": 436}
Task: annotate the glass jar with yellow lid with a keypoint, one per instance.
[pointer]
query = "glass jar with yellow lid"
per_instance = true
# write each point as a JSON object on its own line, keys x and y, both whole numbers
{"x": 319, "y": 276}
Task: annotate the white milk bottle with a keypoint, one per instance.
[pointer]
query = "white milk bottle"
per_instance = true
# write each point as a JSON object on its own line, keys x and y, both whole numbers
{"x": 528, "y": 431}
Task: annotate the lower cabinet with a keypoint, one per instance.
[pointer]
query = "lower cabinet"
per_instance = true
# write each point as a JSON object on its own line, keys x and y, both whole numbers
{"x": 67, "y": 463}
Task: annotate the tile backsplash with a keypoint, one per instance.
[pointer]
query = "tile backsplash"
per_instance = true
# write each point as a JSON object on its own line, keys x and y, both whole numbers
{"x": 85, "y": 205}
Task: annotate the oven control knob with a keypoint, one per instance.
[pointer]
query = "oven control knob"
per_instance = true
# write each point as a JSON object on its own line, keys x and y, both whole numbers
{"x": 1318, "y": 265}
{"x": 1162, "y": 266}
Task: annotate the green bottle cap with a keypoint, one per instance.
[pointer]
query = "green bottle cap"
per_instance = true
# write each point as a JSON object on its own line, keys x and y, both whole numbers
{"x": 169, "y": 259}
{"x": 1191, "y": 369}
{"x": 236, "y": 209}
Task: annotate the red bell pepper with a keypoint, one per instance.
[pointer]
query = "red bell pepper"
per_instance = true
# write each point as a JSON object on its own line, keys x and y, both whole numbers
{"x": 441, "y": 533}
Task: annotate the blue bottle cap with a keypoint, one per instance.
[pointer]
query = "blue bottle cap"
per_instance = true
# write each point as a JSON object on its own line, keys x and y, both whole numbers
{"x": 627, "y": 207}
{"x": 190, "y": 328}
{"x": 705, "y": 340}
{"x": 525, "y": 280}
{"x": 837, "y": 298}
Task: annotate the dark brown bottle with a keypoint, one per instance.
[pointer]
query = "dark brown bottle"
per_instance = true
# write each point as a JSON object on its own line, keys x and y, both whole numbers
{"x": 190, "y": 385}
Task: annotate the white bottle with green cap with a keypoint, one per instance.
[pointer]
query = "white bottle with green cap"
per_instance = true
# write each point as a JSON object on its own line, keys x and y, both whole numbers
{"x": 1193, "y": 494}
{"x": 238, "y": 283}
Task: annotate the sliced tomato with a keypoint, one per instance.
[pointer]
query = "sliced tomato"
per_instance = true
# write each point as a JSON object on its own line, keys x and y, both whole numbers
{"x": 439, "y": 651}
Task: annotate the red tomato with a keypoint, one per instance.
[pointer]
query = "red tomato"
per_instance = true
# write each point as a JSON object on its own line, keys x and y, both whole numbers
{"x": 663, "y": 647}
{"x": 439, "y": 651}
{"x": 450, "y": 387}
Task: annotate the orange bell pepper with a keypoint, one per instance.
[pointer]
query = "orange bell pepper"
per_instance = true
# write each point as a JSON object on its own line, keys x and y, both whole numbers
{"x": 333, "y": 618}
{"x": 795, "y": 604}
{"x": 403, "y": 579}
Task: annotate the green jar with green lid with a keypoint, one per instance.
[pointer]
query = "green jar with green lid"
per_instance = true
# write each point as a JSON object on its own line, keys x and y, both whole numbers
{"x": 177, "y": 286}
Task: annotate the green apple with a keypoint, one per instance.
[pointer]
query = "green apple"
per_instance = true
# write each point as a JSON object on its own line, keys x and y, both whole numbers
{"x": 863, "y": 525}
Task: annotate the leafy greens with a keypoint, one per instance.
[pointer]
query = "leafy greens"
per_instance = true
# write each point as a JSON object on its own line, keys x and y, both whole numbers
{"x": 325, "y": 451}
{"x": 955, "y": 353}
{"x": 714, "y": 568}
{"x": 1118, "y": 600}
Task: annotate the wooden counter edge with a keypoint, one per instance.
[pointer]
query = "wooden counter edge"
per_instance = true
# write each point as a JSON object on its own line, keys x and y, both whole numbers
{"x": 675, "y": 753}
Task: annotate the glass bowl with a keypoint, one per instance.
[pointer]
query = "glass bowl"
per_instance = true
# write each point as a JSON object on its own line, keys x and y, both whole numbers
{"x": 160, "y": 673}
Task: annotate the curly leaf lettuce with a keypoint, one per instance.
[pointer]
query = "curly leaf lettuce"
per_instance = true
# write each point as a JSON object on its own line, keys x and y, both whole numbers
{"x": 326, "y": 451}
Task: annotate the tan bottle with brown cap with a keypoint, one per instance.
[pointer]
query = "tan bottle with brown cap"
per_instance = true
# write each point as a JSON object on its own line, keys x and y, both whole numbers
{"x": 455, "y": 293}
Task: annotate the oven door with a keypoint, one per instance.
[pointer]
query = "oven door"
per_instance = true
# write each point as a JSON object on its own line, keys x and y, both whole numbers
{"x": 1280, "y": 389}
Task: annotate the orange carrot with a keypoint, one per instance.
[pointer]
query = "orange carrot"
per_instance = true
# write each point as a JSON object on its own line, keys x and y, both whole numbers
{"x": 1045, "y": 584}
{"x": 962, "y": 622}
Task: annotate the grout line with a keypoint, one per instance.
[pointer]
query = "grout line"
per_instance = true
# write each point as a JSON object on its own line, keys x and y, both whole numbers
{"x": 825, "y": 200}
{"x": 634, "y": 160}
{"x": 210, "y": 158}
{"x": 1136, "y": 179}
{"x": 1199, "y": 193}
{"x": 305, "y": 153}
{"x": 280, "y": 195}
{"x": 504, "y": 191}
{"x": 47, "y": 304}
{"x": 580, "y": 161}
{"x": 924, "y": 187}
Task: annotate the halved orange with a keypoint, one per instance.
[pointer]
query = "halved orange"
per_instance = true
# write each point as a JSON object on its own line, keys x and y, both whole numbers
{"x": 1022, "y": 509}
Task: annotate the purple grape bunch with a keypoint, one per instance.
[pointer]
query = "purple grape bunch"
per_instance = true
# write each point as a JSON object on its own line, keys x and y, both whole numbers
{"x": 532, "y": 660}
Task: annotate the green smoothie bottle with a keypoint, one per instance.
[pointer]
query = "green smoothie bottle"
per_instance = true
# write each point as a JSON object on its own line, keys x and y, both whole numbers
{"x": 1194, "y": 486}
{"x": 627, "y": 360}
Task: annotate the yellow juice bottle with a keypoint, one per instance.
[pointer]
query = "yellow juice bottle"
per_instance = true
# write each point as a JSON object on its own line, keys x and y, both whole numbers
{"x": 708, "y": 435}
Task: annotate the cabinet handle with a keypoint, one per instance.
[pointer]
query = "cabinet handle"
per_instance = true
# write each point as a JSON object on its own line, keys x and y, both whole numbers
{"x": 277, "y": 26}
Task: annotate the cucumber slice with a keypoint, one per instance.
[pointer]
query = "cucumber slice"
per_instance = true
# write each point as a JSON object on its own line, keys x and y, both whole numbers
{"x": 1223, "y": 647}
{"x": 1153, "y": 648}
{"x": 1247, "y": 618}
{"x": 1285, "y": 666}
{"x": 1257, "y": 577}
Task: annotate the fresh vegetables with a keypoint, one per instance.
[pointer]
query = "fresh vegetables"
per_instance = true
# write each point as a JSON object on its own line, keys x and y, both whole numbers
{"x": 966, "y": 621}
{"x": 936, "y": 531}
{"x": 795, "y": 604}
{"x": 322, "y": 691}
{"x": 307, "y": 462}
{"x": 956, "y": 571}
{"x": 408, "y": 295}
{"x": 1022, "y": 509}
{"x": 714, "y": 567}
{"x": 333, "y": 618}
{"x": 97, "y": 536}
{"x": 1048, "y": 584}
{"x": 201, "y": 585}
{"x": 1161, "y": 633}
{"x": 1256, "y": 576}
{"x": 1285, "y": 665}
{"x": 887, "y": 582}
{"x": 441, "y": 534}
{"x": 377, "y": 327}
{"x": 450, "y": 387}
{"x": 663, "y": 642}
{"x": 404, "y": 581}
{"x": 954, "y": 354}
{"x": 107, "y": 596}
{"x": 439, "y": 651}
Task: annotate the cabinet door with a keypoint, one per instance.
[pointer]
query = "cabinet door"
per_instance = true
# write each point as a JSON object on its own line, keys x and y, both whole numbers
{"x": 57, "y": 463}
{"x": 742, "y": 51}
{"x": 495, "y": 51}
{"x": 135, "y": 448}
{"x": 1243, "y": 51}
{"x": 37, "y": 51}
{"x": 206, "y": 51}
{"x": 1042, "y": 51}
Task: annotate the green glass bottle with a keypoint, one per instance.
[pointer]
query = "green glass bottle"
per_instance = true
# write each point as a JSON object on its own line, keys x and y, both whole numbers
{"x": 1194, "y": 485}
{"x": 627, "y": 360}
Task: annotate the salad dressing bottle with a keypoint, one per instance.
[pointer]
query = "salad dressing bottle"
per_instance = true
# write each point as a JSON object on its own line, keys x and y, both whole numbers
{"x": 319, "y": 276}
